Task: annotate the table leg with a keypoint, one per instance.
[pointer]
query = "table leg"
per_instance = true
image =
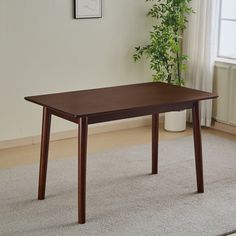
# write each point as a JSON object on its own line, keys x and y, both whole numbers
{"x": 45, "y": 136}
{"x": 155, "y": 134}
{"x": 198, "y": 147}
{"x": 82, "y": 156}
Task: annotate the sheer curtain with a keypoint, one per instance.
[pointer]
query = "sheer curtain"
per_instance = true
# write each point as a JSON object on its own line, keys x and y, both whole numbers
{"x": 199, "y": 44}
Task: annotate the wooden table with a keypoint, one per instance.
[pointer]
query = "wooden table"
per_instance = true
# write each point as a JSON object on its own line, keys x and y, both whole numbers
{"x": 106, "y": 104}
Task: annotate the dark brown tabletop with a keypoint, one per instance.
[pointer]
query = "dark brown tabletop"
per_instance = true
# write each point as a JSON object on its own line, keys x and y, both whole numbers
{"x": 120, "y": 98}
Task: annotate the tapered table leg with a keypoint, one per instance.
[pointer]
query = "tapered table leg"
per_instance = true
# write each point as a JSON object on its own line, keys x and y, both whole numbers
{"x": 198, "y": 147}
{"x": 82, "y": 156}
{"x": 45, "y": 136}
{"x": 155, "y": 134}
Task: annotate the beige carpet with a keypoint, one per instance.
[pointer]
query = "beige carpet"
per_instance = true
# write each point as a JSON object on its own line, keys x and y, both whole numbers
{"x": 123, "y": 198}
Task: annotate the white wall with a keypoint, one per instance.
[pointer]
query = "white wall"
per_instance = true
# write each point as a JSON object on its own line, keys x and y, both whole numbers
{"x": 44, "y": 50}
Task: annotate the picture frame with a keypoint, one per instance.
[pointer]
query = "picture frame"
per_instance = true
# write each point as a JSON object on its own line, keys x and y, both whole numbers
{"x": 85, "y": 9}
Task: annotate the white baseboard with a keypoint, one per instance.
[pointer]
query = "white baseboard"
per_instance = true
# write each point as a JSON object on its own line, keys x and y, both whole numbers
{"x": 224, "y": 127}
{"x": 93, "y": 129}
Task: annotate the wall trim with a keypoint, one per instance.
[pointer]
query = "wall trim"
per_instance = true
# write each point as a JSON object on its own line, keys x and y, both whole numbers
{"x": 227, "y": 128}
{"x": 93, "y": 129}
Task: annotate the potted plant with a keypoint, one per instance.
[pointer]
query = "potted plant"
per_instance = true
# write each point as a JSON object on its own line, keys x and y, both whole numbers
{"x": 164, "y": 50}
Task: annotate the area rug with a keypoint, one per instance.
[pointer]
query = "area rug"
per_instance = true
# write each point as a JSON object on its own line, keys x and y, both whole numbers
{"x": 123, "y": 198}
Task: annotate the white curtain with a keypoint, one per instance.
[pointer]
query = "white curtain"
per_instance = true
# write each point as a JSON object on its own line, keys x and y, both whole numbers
{"x": 199, "y": 44}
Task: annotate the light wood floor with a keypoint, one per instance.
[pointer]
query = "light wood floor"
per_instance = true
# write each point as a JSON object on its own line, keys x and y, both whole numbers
{"x": 96, "y": 143}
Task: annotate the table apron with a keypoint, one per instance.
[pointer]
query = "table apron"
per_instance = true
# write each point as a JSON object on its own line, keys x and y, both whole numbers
{"x": 137, "y": 113}
{"x": 64, "y": 115}
{"x": 118, "y": 115}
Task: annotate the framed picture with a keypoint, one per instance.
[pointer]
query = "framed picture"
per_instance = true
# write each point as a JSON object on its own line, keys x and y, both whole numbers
{"x": 85, "y": 9}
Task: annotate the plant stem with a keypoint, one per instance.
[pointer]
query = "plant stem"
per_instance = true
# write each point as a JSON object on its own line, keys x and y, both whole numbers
{"x": 178, "y": 66}
{"x": 169, "y": 78}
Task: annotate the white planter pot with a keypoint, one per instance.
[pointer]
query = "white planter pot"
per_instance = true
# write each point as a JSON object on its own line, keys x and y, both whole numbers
{"x": 175, "y": 121}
